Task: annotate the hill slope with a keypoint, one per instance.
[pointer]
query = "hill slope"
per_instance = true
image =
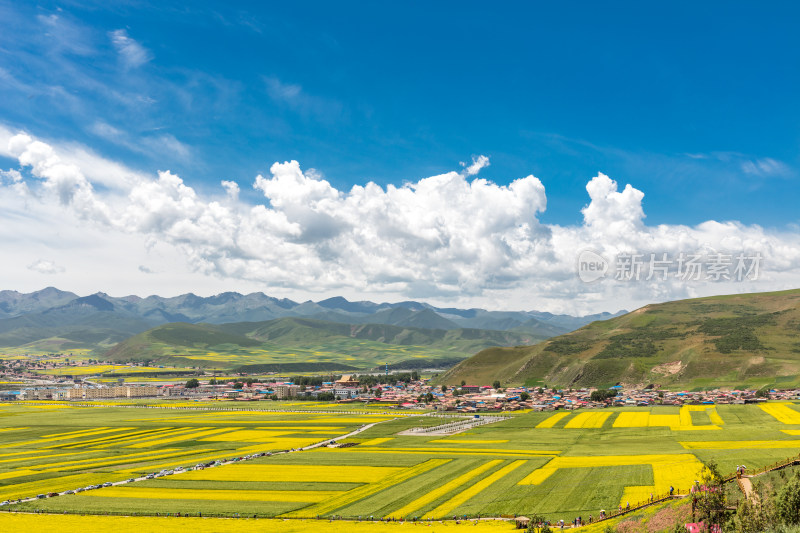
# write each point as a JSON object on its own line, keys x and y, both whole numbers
{"x": 737, "y": 340}
{"x": 308, "y": 344}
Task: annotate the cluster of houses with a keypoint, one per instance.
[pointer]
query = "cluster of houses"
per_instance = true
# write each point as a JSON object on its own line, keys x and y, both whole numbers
{"x": 417, "y": 394}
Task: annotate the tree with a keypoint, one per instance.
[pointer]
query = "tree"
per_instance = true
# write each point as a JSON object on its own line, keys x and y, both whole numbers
{"x": 444, "y": 388}
{"x": 192, "y": 383}
{"x": 538, "y": 524}
{"x": 787, "y": 503}
{"x": 463, "y": 382}
{"x": 238, "y": 385}
{"x": 212, "y": 381}
{"x": 748, "y": 518}
{"x": 524, "y": 396}
{"x": 762, "y": 392}
{"x": 378, "y": 392}
{"x": 496, "y": 384}
{"x": 710, "y": 501}
{"x": 601, "y": 395}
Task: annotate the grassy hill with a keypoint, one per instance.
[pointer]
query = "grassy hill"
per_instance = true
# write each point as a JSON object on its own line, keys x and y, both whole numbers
{"x": 736, "y": 341}
{"x": 306, "y": 344}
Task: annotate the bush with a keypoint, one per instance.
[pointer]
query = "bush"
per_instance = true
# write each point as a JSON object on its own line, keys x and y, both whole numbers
{"x": 787, "y": 503}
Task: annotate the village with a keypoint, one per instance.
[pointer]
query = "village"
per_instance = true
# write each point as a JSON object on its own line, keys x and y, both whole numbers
{"x": 401, "y": 390}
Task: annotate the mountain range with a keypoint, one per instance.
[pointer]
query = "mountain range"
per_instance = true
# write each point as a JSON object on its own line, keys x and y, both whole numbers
{"x": 52, "y": 320}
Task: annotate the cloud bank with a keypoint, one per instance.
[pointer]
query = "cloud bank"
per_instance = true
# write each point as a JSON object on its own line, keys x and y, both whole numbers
{"x": 452, "y": 237}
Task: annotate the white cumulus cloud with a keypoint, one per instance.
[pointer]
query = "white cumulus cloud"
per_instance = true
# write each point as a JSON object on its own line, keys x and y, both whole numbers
{"x": 448, "y": 238}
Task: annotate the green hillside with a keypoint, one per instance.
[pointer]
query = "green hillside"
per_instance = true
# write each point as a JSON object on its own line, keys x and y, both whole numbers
{"x": 735, "y": 341}
{"x": 307, "y": 344}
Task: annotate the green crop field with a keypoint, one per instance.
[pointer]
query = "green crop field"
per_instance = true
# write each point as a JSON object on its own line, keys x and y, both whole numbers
{"x": 569, "y": 465}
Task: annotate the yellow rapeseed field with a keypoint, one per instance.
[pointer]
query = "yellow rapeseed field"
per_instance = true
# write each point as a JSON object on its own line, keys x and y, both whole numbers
{"x": 161, "y": 493}
{"x": 375, "y": 442}
{"x": 354, "y": 495}
{"x": 434, "y": 494}
{"x": 275, "y": 472}
{"x": 677, "y": 470}
{"x": 741, "y": 444}
{"x": 551, "y": 420}
{"x": 500, "y": 452}
{"x": 632, "y": 419}
{"x": 135, "y": 524}
{"x": 680, "y": 422}
{"x": 248, "y": 435}
{"x": 196, "y": 435}
{"x": 447, "y": 507}
{"x": 588, "y": 420}
{"x": 781, "y": 412}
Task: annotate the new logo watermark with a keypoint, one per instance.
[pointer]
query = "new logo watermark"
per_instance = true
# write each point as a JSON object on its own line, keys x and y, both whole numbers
{"x": 741, "y": 266}
{"x": 591, "y": 266}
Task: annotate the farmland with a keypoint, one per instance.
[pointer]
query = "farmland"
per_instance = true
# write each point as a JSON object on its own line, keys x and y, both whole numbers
{"x": 558, "y": 465}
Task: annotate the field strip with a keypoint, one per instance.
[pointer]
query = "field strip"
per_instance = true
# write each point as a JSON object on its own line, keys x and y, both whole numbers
{"x": 539, "y": 475}
{"x": 277, "y": 472}
{"x": 79, "y": 461}
{"x": 138, "y": 433}
{"x": 430, "y": 451}
{"x": 142, "y": 438}
{"x": 362, "y": 492}
{"x": 179, "y": 438}
{"x": 793, "y": 432}
{"x": 76, "y": 433}
{"x": 192, "y": 457}
{"x": 443, "y": 449}
{"x": 679, "y": 422}
{"x": 54, "y": 439}
{"x": 137, "y": 524}
{"x": 17, "y": 473}
{"x": 551, "y": 420}
{"x": 121, "y": 460}
{"x": 465, "y": 441}
{"x": 632, "y": 419}
{"x": 13, "y": 429}
{"x": 587, "y": 421}
{"x": 447, "y": 507}
{"x": 437, "y": 493}
{"x": 310, "y": 496}
{"x": 665, "y": 475}
{"x": 17, "y": 459}
{"x": 740, "y": 444}
{"x": 38, "y": 450}
{"x": 781, "y": 412}
{"x": 685, "y": 416}
{"x": 159, "y": 435}
{"x": 58, "y": 484}
{"x": 375, "y": 442}
{"x": 247, "y": 435}
{"x": 304, "y": 428}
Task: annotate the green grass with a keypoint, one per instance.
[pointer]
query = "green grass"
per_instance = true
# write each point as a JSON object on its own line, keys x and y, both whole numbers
{"x": 306, "y": 345}
{"x": 567, "y": 493}
{"x": 742, "y": 341}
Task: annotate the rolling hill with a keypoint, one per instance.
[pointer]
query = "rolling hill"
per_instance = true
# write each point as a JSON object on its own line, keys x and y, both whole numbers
{"x": 51, "y": 320}
{"x": 308, "y": 344}
{"x": 746, "y": 340}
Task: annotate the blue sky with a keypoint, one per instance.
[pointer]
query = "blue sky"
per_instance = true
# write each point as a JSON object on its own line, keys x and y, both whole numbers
{"x": 694, "y": 105}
